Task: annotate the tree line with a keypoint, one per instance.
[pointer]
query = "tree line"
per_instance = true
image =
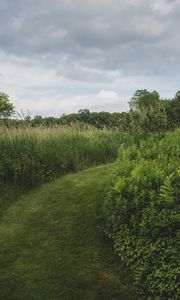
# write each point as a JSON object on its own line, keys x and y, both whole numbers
{"x": 147, "y": 111}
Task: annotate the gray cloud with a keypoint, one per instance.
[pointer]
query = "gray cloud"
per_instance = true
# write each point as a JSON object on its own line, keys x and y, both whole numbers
{"x": 93, "y": 44}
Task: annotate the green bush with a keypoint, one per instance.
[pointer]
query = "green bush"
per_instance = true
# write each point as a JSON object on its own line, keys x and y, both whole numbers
{"x": 142, "y": 213}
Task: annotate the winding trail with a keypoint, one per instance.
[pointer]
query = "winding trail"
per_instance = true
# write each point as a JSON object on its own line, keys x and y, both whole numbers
{"x": 51, "y": 247}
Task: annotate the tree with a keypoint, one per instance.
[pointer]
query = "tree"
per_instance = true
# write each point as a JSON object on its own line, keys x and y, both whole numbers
{"x": 144, "y": 101}
{"x": 172, "y": 108}
{"x": 175, "y": 106}
{"x": 147, "y": 111}
{"x": 6, "y": 107}
{"x": 84, "y": 115}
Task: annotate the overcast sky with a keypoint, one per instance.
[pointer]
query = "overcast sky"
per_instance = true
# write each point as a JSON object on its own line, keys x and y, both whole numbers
{"x": 58, "y": 56}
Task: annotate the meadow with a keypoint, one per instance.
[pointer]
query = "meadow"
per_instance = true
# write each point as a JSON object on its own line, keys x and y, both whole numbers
{"x": 133, "y": 199}
{"x": 31, "y": 156}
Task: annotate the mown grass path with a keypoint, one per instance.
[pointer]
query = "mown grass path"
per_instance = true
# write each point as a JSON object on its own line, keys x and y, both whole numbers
{"x": 51, "y": 248}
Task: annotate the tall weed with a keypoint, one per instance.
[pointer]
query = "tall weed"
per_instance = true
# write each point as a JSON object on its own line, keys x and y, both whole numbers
{"x": 30, "y": 156}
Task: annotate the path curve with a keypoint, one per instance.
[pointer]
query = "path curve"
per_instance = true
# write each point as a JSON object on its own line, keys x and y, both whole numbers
{"x": 51, "y": 247}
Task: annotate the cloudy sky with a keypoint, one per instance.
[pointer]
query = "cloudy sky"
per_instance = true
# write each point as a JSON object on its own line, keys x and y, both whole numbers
{"x": 58, "y": 56}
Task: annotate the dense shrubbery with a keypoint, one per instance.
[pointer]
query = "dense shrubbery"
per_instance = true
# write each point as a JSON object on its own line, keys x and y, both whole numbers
{"x": 32, "y": 156}
{"x": 142, "y": 213}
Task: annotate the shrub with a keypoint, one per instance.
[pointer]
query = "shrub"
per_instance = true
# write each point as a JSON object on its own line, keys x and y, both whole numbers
{"x": 142, "y": 213}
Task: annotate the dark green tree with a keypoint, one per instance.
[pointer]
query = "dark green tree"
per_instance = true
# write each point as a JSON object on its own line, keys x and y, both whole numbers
{"x": 172, "y": 108}
{"x": 145, "y": 101}
{"x": 84, "y": 115}
{"x": 6, "y": 107}
{"x": 175, "y": 109}
{"x": 147, "y": 111}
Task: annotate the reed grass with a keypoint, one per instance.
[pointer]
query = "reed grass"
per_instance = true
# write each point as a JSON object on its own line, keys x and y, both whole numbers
{"x": 30, "y": 156}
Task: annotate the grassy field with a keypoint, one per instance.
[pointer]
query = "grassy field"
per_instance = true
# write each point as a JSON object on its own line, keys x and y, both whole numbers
{"x": 51, "y": 236}
{"x": 51, "y": 248}
{"x": 31, "y": 156}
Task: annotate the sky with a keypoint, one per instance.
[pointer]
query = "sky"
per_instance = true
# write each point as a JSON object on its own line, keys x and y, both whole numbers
{"x": 59, "y": 56}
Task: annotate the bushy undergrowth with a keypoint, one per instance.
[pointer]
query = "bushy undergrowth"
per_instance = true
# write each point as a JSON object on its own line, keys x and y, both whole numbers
{"x": 32, "y": 156}
{"x": 142, "y": 213}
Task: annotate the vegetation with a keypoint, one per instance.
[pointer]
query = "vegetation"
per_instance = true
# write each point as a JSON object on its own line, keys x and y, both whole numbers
{"x": 148, "y": 112}
{"x": 50, "y": 246}
{"x": 34, "y": 155}
{"x": 142, "y": 213}
{"x": 6, "y": 107}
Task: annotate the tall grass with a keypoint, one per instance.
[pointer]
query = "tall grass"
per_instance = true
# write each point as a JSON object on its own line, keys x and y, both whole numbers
{"x": 30, "y": 156}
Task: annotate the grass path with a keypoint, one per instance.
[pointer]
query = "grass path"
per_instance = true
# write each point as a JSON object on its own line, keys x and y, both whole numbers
{"x": 50, "y": 246}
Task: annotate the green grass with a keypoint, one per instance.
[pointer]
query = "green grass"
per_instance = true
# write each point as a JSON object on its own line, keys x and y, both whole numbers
{"x": 32, "y": 156}
{"x": 51, "y": 247}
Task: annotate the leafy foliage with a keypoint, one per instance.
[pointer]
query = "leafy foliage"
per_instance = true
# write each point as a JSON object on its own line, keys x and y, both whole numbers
{"x": 148, "y": 113}
{"x": 6, "y": 107}
{"x": 141, "y": 208}
{"x": 142, "y": 213}
{"x": 145, "y": 101}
